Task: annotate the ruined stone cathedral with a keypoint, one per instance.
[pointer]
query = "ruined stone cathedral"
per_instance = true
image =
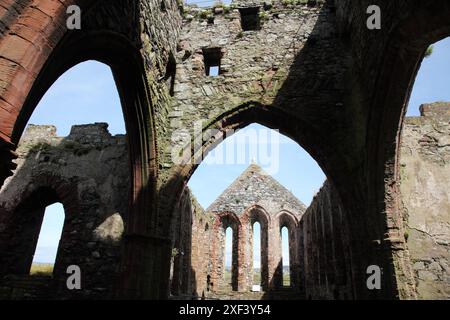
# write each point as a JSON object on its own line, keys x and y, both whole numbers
{"x": 310, "y": 68}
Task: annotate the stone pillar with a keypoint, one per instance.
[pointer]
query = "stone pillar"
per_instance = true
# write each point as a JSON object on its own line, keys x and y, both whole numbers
{"x": 294, "y": 257}
{"x": 246, "y": 255}
{"x": 276, "y": 256}
{"x": 301, "y": 259}
{"x": 217, "y": 255}
{"x": 265, "y": 256}
{"x": 146, "y": 265}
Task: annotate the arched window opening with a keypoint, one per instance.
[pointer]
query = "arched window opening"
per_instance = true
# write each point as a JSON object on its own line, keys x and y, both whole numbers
{"x": 61, "y": 159}
{"x": 256, "y": 279}
{"x": 285, "y": 258}
{"x": 278, "y": 155}
{"x": 228, "y": 259}
{"x": 48, "y": 241}
{"x": 227, "y": 183}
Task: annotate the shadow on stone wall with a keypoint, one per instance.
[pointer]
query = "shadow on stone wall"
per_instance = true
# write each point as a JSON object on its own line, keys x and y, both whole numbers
{"x": 88, "y": 172}
{"x": 310, "y": 99}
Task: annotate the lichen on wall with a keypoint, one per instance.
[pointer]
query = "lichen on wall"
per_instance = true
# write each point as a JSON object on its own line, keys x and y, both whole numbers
{"x": 425, "y": 190}
{"x": 425, "y": 193}
{"x": 88, "y": 173}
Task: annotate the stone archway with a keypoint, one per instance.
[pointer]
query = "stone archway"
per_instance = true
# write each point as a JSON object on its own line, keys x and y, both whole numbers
{"x": 290, "y": 221}
{"x": 352, "y": 130}
{"x": 222, "y": 222}
{"x": 215, "y": 132}
{"x": 31, "y": 35}
{"x": 117, "y": 44}
{"x": 23, "y": 221}
{"x": 426, "y": 24}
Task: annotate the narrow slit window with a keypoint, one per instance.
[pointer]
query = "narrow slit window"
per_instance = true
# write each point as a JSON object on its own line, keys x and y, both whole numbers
{"x": 228, "y": 258}
{"x": 256, "y": 257}
{"x": 285, "y": 265}
{"x": 250, "y": 19}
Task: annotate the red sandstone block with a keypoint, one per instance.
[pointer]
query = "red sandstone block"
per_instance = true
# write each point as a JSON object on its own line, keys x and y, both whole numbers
{"x": 14, "y": 48}
{"x": 7, "y": 69}
{"x": 55, "y": 31}
{"x": 29, "y": 55}
{"x": 13, "y": 7}
{"x": 3, "y": 12}
{"x": 18, "y": 90}
{"x": 49, "y": 7}
{"x": 34, "y": 19}
{"x": 27, "y": 33}
{"x": 5, "y": 106}
{"x": 7, "y": 3}
{"x": 6, "y": 123}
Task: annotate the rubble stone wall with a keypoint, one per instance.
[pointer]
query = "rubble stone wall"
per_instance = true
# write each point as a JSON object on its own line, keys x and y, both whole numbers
{"x": 425, "y": 189}
{"x": 88, "y": 172}
{"x": 424, "y": 185}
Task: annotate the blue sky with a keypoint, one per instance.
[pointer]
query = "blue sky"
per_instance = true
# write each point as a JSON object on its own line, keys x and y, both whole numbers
{"x": 87, "y": 94}
{"x": 84, "y": 94}
{"x": 50, "y": 234}
{"x": 433, "y": 80}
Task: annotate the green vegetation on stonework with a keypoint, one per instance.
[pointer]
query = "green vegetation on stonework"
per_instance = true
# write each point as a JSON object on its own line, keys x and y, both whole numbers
{"x": 77, "y": 148}
{"x": 429, "y": 51}
{"x": 204, "y": 14}
{"x": 175, "y": 252}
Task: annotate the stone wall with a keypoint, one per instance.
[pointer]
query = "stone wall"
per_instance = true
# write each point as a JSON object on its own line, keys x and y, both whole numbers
{"x": 327, "y": 243}
{"x": 54, "y": 169}
{"x": 202, "y": 233}
{"x": 325, "y": 248}
{"x": 425, "y": 189}
{"x": 254, "y": 187}
{"x": 254, "y": 68}
{"x": 160, "y": 35}
{"x": 88, "y": 172}
{"x": 255, "y": 197}
{"x": 310, "y": 71}
{"x": 190, "y": 253}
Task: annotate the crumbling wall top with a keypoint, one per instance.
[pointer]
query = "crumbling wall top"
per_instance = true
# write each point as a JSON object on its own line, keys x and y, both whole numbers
{"x": 36, "y": 133}
{"x": 436, "y": 109}
{"x": 96, "y": 133}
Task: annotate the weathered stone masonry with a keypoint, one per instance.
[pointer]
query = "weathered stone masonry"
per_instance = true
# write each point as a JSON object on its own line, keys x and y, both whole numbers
{"x": 52, "y": 169}
{"x": 134, "y": 38}
{"x": 424, "y": 185}
{"x": 340, "y": 91}
{"x": 255, "y": 197}
{"x": 88, "y": 173}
